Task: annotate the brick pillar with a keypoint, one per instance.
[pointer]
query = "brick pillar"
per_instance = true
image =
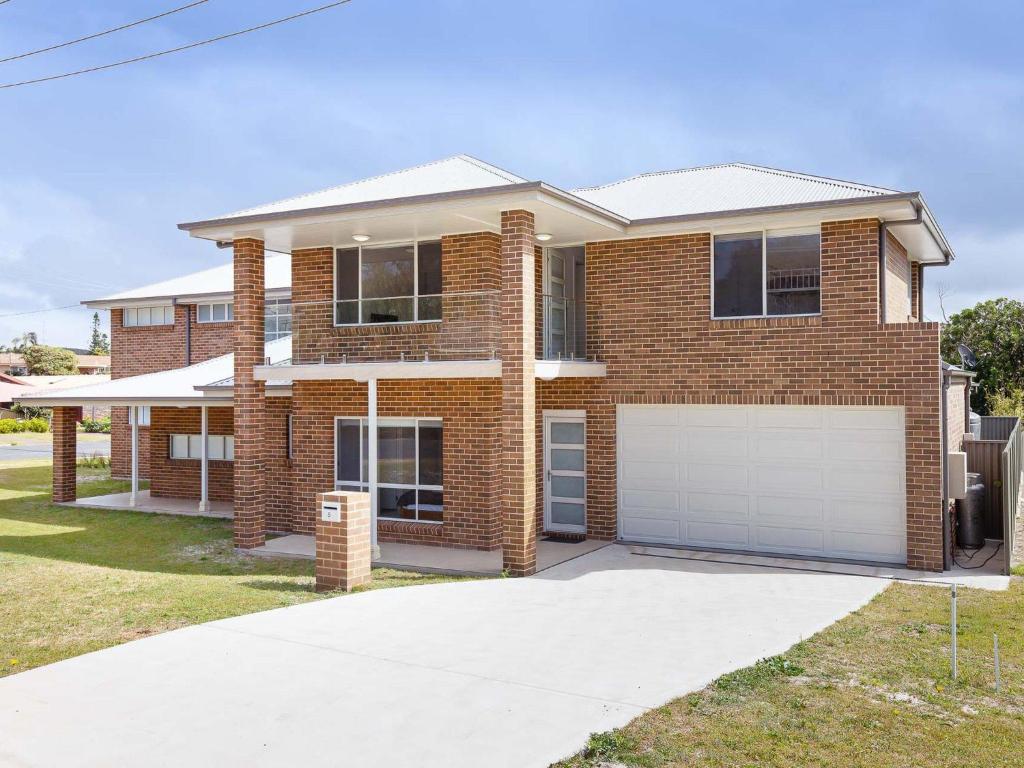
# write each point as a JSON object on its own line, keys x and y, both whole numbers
{"x": 250, "y": 399}
{"x": 65, "y": 457}
{"x": 343, "y": 544}
{"x": 518, "y": 395}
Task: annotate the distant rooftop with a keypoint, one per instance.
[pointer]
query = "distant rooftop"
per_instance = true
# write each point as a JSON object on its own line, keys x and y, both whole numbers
{"x": 215, "y": 281}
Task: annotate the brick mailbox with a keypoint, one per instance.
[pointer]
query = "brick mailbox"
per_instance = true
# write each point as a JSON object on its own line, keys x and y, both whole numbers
{"x": 342, "y": 540}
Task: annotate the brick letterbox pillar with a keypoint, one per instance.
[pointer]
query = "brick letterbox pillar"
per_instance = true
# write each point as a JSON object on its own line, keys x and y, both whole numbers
{"x": 65, "y": 458}
{"x": 342, "y": 540}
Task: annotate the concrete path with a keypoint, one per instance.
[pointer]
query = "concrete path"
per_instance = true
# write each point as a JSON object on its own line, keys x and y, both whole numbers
{"x": 43, "y": 448}
{"x": 502, "y": 672}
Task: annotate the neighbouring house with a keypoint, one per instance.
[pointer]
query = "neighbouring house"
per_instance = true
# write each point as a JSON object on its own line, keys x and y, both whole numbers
{"x": 729, "y": 357}
{"x": 13, "y": 364}
{"x": 14, "y": 387}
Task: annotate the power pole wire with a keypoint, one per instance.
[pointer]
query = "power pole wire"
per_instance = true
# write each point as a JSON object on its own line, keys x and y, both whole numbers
{"x": 104, "y": 32}
{"x": 175, "y": 50}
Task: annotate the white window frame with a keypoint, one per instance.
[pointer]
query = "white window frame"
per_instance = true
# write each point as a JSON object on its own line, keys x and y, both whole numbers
{"x": 145, "y": 415}
{"x": 359, "y": 272}
{"x": 417, "y": 486}
{"x": 764, "y": 270}
{"x": 130, "y": 316}
{"x": 273, "y": 335}
{"x": 229, "y": 311}
{"x": 219, "y": 447}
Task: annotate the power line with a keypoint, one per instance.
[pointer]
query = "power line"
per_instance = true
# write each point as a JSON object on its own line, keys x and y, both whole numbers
{"x": 178, "y": 49}
{"x": 37, "y": 311}
{"x": 101, "y": 34}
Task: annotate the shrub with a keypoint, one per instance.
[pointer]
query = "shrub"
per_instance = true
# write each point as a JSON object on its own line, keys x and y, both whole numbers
{"x": 11, "y": 425}
{"x": 96, "y": 461}
{"x": 37, "y": 425}
{"x": 1009, "y": 403}
{"x": 96, "y": 425}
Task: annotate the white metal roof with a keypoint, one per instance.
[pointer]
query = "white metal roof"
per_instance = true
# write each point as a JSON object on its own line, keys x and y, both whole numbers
{"x": 452, "y": 174}
{"x": 217, "y": 281}
{"x": 716, "y": 188}
{"x": 177, "y": 386}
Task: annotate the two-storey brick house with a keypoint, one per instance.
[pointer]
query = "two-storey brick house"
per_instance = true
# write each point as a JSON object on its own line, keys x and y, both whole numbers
{"x": 729, "y": 357}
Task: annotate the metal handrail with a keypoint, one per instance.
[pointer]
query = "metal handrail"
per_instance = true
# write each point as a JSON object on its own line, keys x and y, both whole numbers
{"x": 1013, "y": 468}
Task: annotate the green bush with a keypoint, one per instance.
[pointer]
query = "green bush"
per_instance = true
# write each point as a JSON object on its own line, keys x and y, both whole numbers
{"x": 96, "y": 461}
{"x": 1008, "y": 403}
{"x": 37, "y": 425}
{"x": 96, "y": 425}
{"x": 11, "y": 425}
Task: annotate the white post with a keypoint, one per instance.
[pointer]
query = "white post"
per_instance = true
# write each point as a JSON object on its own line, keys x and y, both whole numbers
{"x": 204, "y": 474}
{"x": 371, "y": 463}
{"x": 135, "y": 456}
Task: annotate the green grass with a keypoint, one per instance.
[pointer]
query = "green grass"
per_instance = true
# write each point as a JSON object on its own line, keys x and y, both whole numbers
{"x": 77, "y": 580}
{"x": 872, "y": 690}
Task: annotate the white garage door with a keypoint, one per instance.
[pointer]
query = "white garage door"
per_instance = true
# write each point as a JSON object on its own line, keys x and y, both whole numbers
{"x": 818, "y": 481}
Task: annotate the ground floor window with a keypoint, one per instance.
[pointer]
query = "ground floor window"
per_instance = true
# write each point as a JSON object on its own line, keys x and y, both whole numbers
{"x": 219, "y": 447}
{"x": 409, "y": 476}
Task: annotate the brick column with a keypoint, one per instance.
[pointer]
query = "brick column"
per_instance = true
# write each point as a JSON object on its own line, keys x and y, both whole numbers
{"x": 343, "y": 544}
{"x": 250, "y": 399}
{"x": 65, "y": 458}
{"x": 518, "y": 395}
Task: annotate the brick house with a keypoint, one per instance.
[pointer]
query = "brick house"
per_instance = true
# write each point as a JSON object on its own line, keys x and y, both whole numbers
{"x": 730, "y": 357}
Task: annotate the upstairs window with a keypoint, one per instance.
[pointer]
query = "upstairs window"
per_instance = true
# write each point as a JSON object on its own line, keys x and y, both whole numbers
{"x": 277, "y": 319}
{"x": 767, "y": 274}
{"x": 387, "y": 284}
{"x": 141, "y": 316}
{"x": 221, "y": 312}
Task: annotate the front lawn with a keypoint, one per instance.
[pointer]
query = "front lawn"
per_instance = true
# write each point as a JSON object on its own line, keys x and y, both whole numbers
{"x": 872, "y": 690}
{"x": 76, "y": 580}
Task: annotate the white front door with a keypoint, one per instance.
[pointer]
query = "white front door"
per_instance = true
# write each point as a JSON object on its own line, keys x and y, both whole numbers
{"x": 565, "y": 471}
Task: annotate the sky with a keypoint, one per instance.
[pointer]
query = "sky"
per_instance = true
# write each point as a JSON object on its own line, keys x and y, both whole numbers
{"x": 96, "y": 171}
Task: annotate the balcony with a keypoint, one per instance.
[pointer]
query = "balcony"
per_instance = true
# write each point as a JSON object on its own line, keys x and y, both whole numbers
{"x": 564, "y": 328}
{"x": 405, "y": 338}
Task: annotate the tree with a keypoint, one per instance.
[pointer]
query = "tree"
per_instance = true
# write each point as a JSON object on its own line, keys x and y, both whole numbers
{"x": 43, "y": 360}
{"x": 99, "y": 344}
{"x": 21, "y": 343}
{"x": 994, "y": 330}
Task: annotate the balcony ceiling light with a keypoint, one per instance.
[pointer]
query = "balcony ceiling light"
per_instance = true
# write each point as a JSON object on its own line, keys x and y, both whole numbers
{"x": 360, "y": 238}
{"x": 543, "y": 236}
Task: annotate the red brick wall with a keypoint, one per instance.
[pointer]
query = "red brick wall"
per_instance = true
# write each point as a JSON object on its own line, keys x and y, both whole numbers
{"x": 470, "y": 410}
{"x": 280, "y": 487}
{"x": 648, "y": 319}
{"x": 469, "y": 326}
{"x": 181, "y": 478}
{"x": 148, "y": 349}
{"x": 249, "y": 394}
{"x": 898, "y": 285}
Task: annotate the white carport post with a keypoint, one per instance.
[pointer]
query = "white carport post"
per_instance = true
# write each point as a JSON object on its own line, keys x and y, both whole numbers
{"x": 135, "y": 456}
{"x": 204, "y": 473}
{"x": 371, "y": 463}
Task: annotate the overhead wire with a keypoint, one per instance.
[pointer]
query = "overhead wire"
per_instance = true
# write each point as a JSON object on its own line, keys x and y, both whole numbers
{"x": 178, "y": 49}
{"x": 104, "y": 32}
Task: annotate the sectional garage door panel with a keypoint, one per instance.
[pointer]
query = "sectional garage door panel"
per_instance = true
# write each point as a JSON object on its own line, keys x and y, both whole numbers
{"x": 818, "y": 481}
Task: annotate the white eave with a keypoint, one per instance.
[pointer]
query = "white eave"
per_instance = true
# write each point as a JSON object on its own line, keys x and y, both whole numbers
{"x": 434, "y": 369}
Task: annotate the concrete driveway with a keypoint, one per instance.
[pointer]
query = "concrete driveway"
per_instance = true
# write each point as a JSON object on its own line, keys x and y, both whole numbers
{"x": 506, "y": 672}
